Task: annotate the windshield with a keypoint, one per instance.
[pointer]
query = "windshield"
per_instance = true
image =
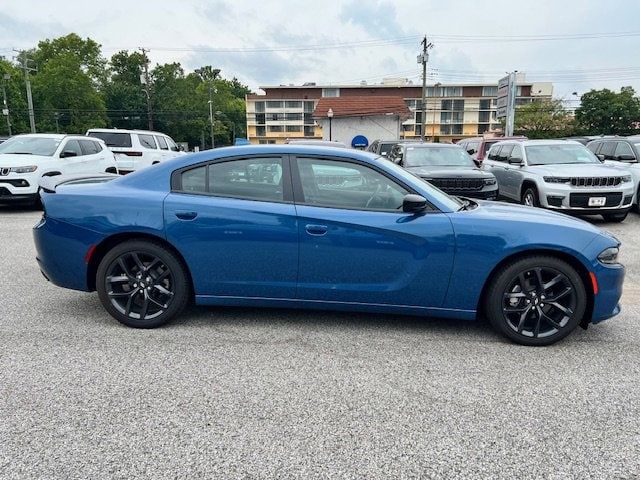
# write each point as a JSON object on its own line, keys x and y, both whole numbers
{"x": 386, "y": 148}
{"x": 437, "y": 156}
{"x": 113, "y": 139}
{"x": 559, "y": 154}
{"x": 30, "y": 146}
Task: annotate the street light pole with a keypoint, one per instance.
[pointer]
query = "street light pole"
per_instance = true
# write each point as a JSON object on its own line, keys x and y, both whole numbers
{"x": 330, "y": 116}
{"x": 5, "y": 106}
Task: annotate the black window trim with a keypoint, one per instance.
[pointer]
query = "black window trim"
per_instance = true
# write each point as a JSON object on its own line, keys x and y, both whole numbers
{"x": 298, "y": 194}
{"x": 287, "y": 188}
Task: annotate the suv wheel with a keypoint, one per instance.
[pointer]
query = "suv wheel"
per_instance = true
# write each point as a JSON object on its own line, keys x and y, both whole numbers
{"x": 142, "y": 284}
{"x": 536, "y": 301}
{"x": 614, "y": 217}
{"x": 530, "y": 197}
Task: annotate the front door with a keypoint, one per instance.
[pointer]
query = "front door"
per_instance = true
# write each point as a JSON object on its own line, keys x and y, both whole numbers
{"x": 235, "y": 224}
{"x": 356, "y": 243}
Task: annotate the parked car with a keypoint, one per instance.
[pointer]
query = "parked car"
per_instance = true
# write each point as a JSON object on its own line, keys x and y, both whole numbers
{"x": 253, "y": 225}
{"x": 447, "y": 166}
{"x": 25, "y": 159}
{"x": 4, "y": 139}
{"x": 317, "y": 143}
{"x": 479, "y": 146}
{"x": 561, "y": 175}
{"x": 621, "y": 152}
{"x": 382, "y": 147}
{"x": 136, "y": 149}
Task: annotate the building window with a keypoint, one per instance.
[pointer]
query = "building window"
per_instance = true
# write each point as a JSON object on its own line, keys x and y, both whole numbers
{"x": 452, "y": 92}
{"x": 490, "y": 91}
{"x": 455, "y": 105}
{"x": 456, "y": 129}
{"x": 261, "y": 131}
{"x": 309, "y": 107}
{"x": 308, "y": 119}
{"x": 309, "y": 131}
{"x": 275, "y": 128}
{"x": 330, "y": 92}
{"x": 259, "y": 107}
{"x": 293, "y": 104}
{"x": 445, "y": 129}
{"x": 485, "y": 104}
{"x": 518, "y": 91}
{"x": 293, "y": 128}
{"x": 261, "y": 118}
{"x": 482, "y": 129}
{"x": 523, "y": 101}
{"x": 418, "y": 117}
{"x": 418, "y": 129}
{"x": 484, "y": 117}
{"x": 274, "y": 104}
{"x": 293, "y": 116}
{"x": 434, "y": 91}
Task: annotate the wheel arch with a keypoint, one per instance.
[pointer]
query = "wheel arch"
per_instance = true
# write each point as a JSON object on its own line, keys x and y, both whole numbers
{"x": 110, "y": 242}
{"x": 528, "y": 182}
{"x": 582, "y": 270}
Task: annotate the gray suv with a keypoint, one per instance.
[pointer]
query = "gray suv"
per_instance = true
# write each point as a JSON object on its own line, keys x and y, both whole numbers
{"x": 560, "y": 175}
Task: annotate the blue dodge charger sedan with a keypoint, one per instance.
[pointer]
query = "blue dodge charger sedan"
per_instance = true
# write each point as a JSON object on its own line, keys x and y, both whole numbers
{"x": 317, "y": 227}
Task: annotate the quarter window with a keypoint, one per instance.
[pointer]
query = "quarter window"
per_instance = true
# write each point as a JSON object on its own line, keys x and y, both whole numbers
{"x": 255, "y": 179}
{"x": 162, "y": 143}
{"x": 147, "y": 141}
{"x": 328, "y": 183}
{"x": 195, "y": 180}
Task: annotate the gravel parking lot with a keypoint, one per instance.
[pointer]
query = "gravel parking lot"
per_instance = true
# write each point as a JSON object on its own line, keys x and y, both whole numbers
{"x": 274, "y": 393}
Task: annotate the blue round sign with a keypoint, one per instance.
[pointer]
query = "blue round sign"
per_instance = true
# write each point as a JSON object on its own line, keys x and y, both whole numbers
{"x": 360, "y": 141}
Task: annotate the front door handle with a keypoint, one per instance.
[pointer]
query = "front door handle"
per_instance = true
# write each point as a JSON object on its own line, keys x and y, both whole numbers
{"x": 317, "y": 230}
{"x": 186, "y": 215}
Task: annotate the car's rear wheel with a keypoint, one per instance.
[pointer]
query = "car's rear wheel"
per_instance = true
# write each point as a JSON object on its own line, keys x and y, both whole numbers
{"x": 530, "y": 197}
{"x": 615, "y": 217}
{"x": 142, "y": 284}
{"x": 537, "y": 300}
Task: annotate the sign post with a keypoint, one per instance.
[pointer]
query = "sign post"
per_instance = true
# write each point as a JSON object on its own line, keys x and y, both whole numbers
{"x": 506, "y": 102}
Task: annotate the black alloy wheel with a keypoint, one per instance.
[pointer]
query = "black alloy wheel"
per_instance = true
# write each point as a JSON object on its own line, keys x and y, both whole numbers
{"x": 142, "y": 284}
{"x": 537, "y": 300}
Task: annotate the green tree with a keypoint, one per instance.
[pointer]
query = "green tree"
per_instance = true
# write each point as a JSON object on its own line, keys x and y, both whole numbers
{"x": 16, "y": 99}
{"x": 124, "y": 96}
{"x": 605, "y": 112}
{"x": 543, "y": 119}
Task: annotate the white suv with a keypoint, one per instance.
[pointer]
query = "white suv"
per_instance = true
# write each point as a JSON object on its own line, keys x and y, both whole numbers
{"x": 25, "y": 159}
{"x": 136, "y": 149}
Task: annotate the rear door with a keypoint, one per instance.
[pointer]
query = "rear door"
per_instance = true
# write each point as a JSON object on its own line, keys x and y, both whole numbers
{"x": 150, "y": 151}
{"x": 91, "y": 155}
{"x": 165, "y": 153}
{"x": 494, "y": 164}
{"x": 356, "y": 243}
{"x": 235, "y": 223}
{"x": 72, "y": 164}
{"x": 513, "y": 177}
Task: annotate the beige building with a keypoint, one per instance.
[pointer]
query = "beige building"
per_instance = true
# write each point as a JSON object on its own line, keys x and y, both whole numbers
{"x": 452, "y": 112}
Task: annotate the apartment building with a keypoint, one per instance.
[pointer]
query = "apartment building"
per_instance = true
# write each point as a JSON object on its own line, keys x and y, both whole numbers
{"x": 452, "y": 112}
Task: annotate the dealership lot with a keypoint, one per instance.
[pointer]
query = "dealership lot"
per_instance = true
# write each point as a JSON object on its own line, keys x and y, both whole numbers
{"x": 264, "y": 393}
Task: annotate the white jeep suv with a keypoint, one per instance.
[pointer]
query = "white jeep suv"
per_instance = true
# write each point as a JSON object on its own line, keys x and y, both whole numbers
{"x": 561, "y": 175}
{"x": 136, "y": 149}
{"x": 25, "y": 159}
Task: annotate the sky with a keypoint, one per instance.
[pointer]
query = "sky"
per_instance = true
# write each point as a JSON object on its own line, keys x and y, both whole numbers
{"x": 347, "y": 41}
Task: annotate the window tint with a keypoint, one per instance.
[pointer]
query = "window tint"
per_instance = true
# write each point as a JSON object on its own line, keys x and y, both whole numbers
{"x": 195, "y": 180}
{"x": 89, "y": 147}
{"x": 113, "y": 139}
{"x": 73, "y": 146}
{"x": 328, "y": 183}
{"x": 607, "y": 149}
{"x": 147, "y": 141}
{"x": 255, "y": 178}
{"x": 623, "y": 148}
{"x": 162, "y": 143}
{"x": 593, "y": 146}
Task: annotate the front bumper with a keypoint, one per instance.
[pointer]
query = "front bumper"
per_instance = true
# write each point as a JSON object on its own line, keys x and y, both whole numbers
{"x": 566, "y": 198}
{"x": 18, "y": 189}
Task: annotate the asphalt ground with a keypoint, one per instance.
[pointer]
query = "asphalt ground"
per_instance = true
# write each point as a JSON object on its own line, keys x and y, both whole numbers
{"x": 248, "y": 393}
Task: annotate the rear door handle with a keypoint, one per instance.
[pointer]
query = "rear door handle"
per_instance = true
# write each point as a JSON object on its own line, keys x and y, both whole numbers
{"x": 186, "y": 215}
{"x": 317, "y": 230}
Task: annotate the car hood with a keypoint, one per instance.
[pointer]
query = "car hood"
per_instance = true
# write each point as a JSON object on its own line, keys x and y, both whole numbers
{"x": 449, "y": 172}
{"x": 17, "y": 160}
{"x": 576, "y": 170}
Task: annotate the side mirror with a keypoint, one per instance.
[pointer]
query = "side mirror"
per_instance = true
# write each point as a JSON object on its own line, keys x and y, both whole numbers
{"x": 477, "y": 162}
{"x": 68, "y": 153}
{"x": 413, "y": 203}
{"x": 626, "y": 158}
{"x": 515, "y": 161}
{"x": 600, "y": 157}
{"x": 471, "y": 151}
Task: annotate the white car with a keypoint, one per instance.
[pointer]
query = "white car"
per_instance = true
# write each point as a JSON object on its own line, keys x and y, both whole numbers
{"x": 25, "y": 159}
{"x": 136, "y": 149}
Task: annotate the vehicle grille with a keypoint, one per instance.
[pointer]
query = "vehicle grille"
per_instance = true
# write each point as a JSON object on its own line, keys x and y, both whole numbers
{"x": 4, "y": 192}
{"x": 596, "y": 181}
{"x": 458, "y": 184}
{"x": 582, "y": 199}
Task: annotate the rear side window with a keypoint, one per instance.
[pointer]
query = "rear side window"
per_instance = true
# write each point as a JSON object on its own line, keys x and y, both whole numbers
{"x": 89, "y": 147}
{"x": 162, "y": 143}
{"x": 623, "y": 148}
{"x": 147, "y": 141}
{"x": 255, "y": 178}
{"x": 113, "y": 139}
{"x": 194, "y": 180}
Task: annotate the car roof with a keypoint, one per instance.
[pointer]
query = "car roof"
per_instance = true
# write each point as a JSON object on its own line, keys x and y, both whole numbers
{"x": 124, "y": 130}
{"x": 430, "y": 145}
{"x": 56, "y": 136}
{"x": 539, "y": 142}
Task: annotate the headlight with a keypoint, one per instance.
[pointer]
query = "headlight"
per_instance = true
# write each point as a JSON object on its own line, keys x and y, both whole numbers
{"x": 609, "y": 256}
{"x": 626, "y": 178}
{"x": 29, "y": 169}
{"x": 490, "y": 181}
{"x": 557, "y": 180}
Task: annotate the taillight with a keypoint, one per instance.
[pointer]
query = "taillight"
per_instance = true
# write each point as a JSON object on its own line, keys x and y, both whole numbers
{"x": 129, "y": 154}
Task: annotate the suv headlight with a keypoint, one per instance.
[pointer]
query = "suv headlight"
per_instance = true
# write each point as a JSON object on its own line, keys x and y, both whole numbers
{"x": 626, "y": 179}
{"x": 609, "y": 256}
{"x": 28, "y": 169}
{"x": 490, "y": 181}
{"x": 557, "y": 179}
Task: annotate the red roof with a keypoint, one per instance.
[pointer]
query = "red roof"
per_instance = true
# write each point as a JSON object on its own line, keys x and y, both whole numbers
{"x": 361, "y": 106}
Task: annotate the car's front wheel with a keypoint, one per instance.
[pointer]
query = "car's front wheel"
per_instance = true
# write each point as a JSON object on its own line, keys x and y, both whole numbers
{"x": 530, "y": 197}
{"x": 537, "y": 300}
{"x": 142, "y": 284}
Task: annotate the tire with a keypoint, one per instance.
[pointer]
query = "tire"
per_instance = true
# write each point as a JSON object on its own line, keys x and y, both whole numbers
{"x": 515, "y": 300}
{"x": 530, "y": 194}
{"x": 142, "y": 284}
{"x": 614, "y": 217}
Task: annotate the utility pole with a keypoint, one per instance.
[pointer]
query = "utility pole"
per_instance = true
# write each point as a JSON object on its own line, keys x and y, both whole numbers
{"x": 147, "y": 86}
{"x": 423, "y": 58}
{"x": 5, "y": 105}
{"x": 210, "y": 102}
{"x": 24, "y": 64}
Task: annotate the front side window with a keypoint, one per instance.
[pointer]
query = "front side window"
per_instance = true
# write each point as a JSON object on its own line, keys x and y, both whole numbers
{"x": 516, "y": 153}
{"x": 162, "y": 143}
{"x": 254, "y": 179}
{"x": 172, "y": 145}
{"x": 559, "y": 154}
{"x": 147, "y": 141}
{"x": 73, "y": 146}
{"x": 22, "y": 145}
{"x": 437, "y": 156}
{"x": 329, "y": 183}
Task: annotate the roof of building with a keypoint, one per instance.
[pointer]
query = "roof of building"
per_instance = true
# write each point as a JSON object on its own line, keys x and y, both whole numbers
{"x": 360, "y": 106}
